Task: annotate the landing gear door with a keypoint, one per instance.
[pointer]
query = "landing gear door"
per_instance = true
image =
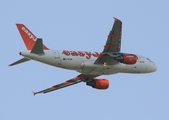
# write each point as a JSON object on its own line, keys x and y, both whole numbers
{"x": 57, "y": 60}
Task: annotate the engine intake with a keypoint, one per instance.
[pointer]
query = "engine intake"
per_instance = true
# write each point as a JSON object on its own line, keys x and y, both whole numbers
{"x": 99, "y": 83}
{"x": 127, "y": 58}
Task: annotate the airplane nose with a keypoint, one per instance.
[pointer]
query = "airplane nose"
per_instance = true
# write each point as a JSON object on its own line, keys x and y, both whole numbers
{"x": 153, "y": 68}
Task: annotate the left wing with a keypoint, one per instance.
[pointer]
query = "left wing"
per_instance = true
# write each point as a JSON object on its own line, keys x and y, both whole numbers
{"x": 113, "y": 43}
{"x": 67, "y": 83}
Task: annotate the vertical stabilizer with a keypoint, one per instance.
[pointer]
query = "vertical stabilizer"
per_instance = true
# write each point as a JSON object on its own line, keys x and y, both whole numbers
{"x": 28, "y": 37}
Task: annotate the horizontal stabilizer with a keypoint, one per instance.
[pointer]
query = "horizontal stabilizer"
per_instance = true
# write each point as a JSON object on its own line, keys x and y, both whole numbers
{"x": 38, "y": 46}
{"x": 19, "y": 61}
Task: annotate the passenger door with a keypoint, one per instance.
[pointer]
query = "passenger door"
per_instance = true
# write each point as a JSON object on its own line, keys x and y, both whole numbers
{"x": 57, "y": 60}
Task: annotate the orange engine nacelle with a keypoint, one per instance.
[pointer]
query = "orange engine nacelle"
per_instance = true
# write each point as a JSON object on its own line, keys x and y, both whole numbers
{"x": 127, "y": 58}
{"x": 99, "y": 83}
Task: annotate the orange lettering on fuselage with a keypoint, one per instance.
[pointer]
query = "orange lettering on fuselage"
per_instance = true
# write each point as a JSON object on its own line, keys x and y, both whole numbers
{"x": 74, "y": 53}
{"x": 88, "y": 55}
{"x": 81, "y": 53}
{"x": 67, "y": 53}
{"x": 96, "y": 54}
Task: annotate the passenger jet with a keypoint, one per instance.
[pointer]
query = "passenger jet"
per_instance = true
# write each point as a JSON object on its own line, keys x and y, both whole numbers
{"x": 90, "y": 65}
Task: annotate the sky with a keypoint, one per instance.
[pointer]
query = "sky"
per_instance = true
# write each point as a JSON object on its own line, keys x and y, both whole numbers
{"x": 84, "y": 25}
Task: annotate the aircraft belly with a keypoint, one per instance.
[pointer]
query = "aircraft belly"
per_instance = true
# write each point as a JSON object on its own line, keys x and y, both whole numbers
{"x": 136, "y": 68}
{"x": 99, "y": 69}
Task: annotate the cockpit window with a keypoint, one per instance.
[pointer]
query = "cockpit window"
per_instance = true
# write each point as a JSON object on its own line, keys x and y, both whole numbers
{"x": 149, "y": 59}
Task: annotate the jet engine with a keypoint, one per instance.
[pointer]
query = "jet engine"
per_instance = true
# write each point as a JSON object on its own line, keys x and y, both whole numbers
{"x": 127, "y": 58}
{"x": 99, "y": 83}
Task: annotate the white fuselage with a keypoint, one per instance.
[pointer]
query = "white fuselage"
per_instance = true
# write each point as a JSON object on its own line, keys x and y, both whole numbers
{"x": 83, "y": 62}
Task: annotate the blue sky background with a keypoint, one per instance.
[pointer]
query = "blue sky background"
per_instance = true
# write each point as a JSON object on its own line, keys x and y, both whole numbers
{"x": 84, "y": 25}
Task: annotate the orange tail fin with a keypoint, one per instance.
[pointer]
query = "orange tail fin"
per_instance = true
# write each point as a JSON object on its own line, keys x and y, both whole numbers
{"x": 28, "y": 37}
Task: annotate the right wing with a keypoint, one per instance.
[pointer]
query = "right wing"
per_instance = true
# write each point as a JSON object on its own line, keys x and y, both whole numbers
{"x": 113, "y": 44}
{"x": 67, "y": 83}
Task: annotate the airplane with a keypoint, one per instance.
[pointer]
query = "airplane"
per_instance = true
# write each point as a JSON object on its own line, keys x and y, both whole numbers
{"x": 90, "y": 65}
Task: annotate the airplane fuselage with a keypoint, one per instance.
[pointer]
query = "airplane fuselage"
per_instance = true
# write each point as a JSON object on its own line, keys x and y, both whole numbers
{"x": 83, "y": 62}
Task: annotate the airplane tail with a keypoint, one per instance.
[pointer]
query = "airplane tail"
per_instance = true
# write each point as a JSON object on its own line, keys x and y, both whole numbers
{"x": 31, "y": 42}
{"x": 37, "y": 49}
{"x": 28, "y": 37}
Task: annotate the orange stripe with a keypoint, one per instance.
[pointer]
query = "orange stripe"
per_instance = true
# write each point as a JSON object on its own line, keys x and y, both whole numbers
{"x": 109, "y": 45}
{"x": 103, "y": 55}
{"x": 54, "y": 87}
{"x": 112, "y": 35}
{"x": 79, "y": 77}
{"x": 115, "y": 19}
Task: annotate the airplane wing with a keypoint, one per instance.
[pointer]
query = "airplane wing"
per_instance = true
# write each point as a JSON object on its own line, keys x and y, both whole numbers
{"x": 67, "y": 83}
{"x": 112, "y": 45}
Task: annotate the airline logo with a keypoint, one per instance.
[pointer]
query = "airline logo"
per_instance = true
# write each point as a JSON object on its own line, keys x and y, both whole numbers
{"x": 29, "y": 34}
{"x": 88, "y": 55}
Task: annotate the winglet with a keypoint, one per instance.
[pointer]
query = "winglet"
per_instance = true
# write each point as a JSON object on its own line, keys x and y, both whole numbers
{"x": 115, "y": 19}
{"x": 34, "y": 93}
